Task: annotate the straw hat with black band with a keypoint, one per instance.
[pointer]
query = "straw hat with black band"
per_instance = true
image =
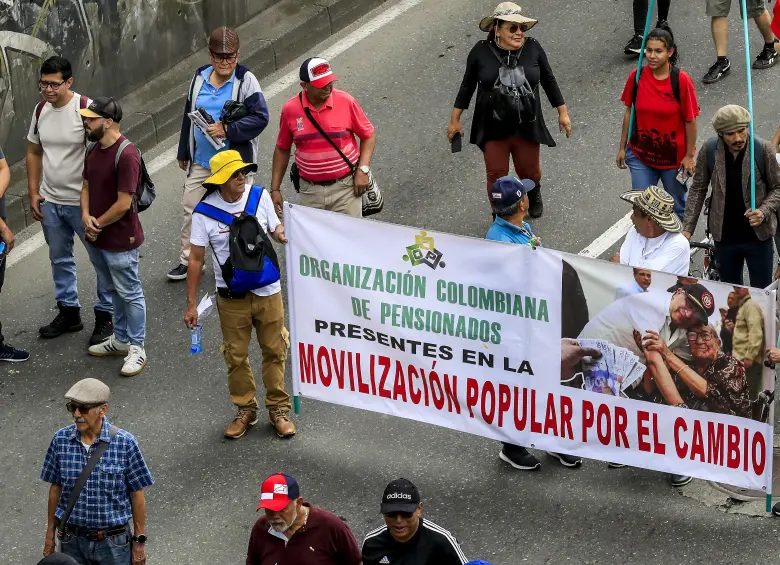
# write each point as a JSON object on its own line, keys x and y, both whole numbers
{"x": 224, "y": 164}
{"x": 656, "y": 203}
{"x": 506, "y": 12}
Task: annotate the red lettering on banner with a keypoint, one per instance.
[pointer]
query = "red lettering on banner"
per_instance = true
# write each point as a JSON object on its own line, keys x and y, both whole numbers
{"x": 621, "y": 424}
{"x": 697, "y": 444}
{"x": 414, "y": 393}
{"x": 659, "y": 447}
{"x": 326, "y": 379}
{"x": 536, "y": 427}
{"x": 567, "y": 410}
{"x": 399, "y": 388}
{"x": 451, "y": 390}
{"x": 715, "y": 443}
{"x": 384, "y": 362}
{"x": 587, "y": 419}
{"x": 550, "y": 419}
{"x": 372, "y": 375}
{"x": 602, "y": 433}
{"x": 520, "y": 422}
{"x": 438, "y": 399}
{"x": 306, "y": 362}
{"x": 351, "y": 373}
{"x": 425, "y": 386}
{"x": 758, "y": 464}
{"x": 732, "y": 461}
{"x": 642, "y": 430}
{"x": 362, "y": 387}
{"x": 472, "y": 395}
{"x": 504, "y": 400}
{"x": 744, "y": 453}
{"x": 338, "y": 368}
{"x": 681, "y": 448}
{"x": 487, "y": 415}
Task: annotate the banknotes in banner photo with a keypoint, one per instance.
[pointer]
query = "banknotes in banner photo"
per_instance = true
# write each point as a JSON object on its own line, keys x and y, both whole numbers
{"x": 616, "y": 370}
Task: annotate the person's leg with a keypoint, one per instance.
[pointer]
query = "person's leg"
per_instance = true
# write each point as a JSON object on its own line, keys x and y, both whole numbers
{"x": 757, "y": 10}
{"x": 730, "y": 262}
{"x": 235, "y": 319}
{"x": 675, "y": 189}
{"x": 496, "y": 155}
{"x": 193, "y": 192}
{"x": 313, "y": 195}
{"x": 642, "y": 176}
{"x": 518, "y": 457}
{"x": 123, "y": 266}
{"x": 72, "y": 215}
{"x": 274, "y": 341}
{"x": 77, "y": 548}
{"x": 102, "y": 270}
{"x": 115, "y": 550}
{"x": 640, "y": 16}
{"x": 663, "y": 10}
{"x": 720, "y": 34}
{"x": 777, "y": 247}
{"x": 525, "y": 156}
{"x": 341, "y": 197}
{"x": 58, "y": 233}
{"x": 760, "y": 260}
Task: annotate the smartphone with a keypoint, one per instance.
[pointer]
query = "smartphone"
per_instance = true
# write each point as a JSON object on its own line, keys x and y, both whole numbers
{"x": 457, "y": 143}
{"x": 684, "y": 178}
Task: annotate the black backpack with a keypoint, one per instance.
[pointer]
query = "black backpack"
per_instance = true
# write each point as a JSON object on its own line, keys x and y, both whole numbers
{"x": 145, "y": 193}
{"x": 252, "y": 262}
{"x": 513, "y": 97}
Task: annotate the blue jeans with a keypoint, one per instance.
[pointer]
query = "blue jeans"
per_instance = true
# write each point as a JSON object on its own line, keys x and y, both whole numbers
{"x": 643, "y": 176}
{"x": 114, "y": 550}
{"x": 121, "y": 269}
{"x": 60, "y": 224}
{"x": 759, "y": 256}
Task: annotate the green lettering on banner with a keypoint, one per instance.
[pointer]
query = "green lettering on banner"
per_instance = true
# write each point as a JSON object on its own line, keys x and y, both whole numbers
{"x": 379, "y": 283}
{"x": 315, "y": 268}
{"x": 366, "y": 275}
{"x": 542, "y": 310}
{"x": 486, "y": 299}
{"x": 517, "y": 309}
{"x": 325, "y": 268}
{"x": 349, "y": 275}
{"x": 530, "y": 307}
{"x": 304, "y": 266}
{"x": 335, "y": 274}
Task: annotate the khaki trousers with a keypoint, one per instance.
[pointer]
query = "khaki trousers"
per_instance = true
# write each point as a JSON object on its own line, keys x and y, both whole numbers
{"x": 337, "y": 197}
{"x": 266, "y": 315}
{"x": 191, "y": 195}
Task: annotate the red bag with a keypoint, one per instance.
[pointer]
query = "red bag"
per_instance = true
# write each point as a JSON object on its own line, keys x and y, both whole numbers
{"x": 776, "y": 19}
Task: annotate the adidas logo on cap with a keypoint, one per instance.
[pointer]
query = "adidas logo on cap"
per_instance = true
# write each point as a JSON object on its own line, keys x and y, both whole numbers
{"x": 402, "y": 495}
{"x": 384, "y": 560}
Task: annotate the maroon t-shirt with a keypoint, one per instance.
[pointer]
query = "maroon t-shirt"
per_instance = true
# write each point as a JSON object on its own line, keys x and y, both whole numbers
{"x": 105, "y": 183}
{"x": 324, "y": 540}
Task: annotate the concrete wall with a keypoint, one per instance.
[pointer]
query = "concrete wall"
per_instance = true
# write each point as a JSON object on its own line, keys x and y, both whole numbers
{"x": 115, "y": 46}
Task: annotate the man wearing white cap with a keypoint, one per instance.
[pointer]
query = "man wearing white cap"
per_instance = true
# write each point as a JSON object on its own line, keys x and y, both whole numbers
{"x": 97, "y": 476}
{"x": 330, "y": 173}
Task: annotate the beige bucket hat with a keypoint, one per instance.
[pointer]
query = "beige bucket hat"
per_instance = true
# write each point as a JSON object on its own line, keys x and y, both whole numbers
{"x": 507, "y": 12}
{"x": 658, "y": 203}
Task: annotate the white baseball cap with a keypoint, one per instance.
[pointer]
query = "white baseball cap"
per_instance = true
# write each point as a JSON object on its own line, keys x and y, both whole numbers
{"x": 318, "y": 72}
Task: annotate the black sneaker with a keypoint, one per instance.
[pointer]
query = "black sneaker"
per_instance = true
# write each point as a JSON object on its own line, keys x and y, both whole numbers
{"x": 717, "y": 71}
{"x": 615, "y": 465}
{"x": 766, "y": 59}
{"x": 519, "y": 458}
{"x": 104, "y": 327}
{"x": 566, "y": 460}
{"x": 663, "y": 24}
{"x": 776, "y": 509}
{"x": 679, "y": 480}
{"x": 12, "y": 355}
{"x": 178, "y": 273}
{"x": 634, "y": 46}
{"x": 535, "y": 205}
{"x": 68, "y": 320}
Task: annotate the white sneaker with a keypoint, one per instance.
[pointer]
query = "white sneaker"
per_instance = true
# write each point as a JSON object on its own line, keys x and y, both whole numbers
{"x": 134, "y": 362}
{"x": 110, "y": 347}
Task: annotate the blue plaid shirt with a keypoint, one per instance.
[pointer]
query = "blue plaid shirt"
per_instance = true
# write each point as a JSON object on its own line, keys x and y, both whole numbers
{"x": 104, "y": 502}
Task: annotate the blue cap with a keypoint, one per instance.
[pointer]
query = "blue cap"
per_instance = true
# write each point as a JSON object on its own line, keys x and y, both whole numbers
{"x": 509, "y": 190}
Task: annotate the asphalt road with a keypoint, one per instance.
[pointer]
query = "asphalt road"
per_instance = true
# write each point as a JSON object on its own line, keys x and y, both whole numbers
{"x": 202, "y": 508}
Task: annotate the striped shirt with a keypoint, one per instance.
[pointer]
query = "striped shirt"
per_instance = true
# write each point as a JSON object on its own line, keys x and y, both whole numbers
{"x": 341, "y": 117}
{"x": 430, "y": 545}
{"x": 104, "y": 502}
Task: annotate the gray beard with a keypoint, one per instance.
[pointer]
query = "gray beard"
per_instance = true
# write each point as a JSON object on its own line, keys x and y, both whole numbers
{"x": 283, "y": 526}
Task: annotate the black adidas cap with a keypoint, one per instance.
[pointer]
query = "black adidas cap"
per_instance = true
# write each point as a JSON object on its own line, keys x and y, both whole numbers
{"x": 400, "y": 496}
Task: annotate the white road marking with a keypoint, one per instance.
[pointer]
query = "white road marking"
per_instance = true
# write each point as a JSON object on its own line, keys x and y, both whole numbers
{"x": 276, "y": 88}
{"x": 608, "y": 238}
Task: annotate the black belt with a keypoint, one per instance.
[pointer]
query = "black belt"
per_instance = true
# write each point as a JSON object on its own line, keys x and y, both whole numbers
{"x": 92, "y": 534}
{"x": 327, "y": 182}
{"x": 227, "y": 293}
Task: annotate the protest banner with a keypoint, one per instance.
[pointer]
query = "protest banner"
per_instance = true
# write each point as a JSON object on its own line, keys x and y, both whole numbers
{"x": 485, "y": 338}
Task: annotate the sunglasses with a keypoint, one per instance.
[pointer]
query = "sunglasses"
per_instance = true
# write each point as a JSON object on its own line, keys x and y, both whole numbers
{"x": 224, "y": 57}
{"x": 82, "y": 408}
{"x": 239, "y": 173}
{"x": 403, "y": 515}
{"x": 514, "y": 28}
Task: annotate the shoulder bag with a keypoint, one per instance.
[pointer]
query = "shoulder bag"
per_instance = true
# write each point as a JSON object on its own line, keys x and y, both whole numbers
{"x": 372, "y": 198}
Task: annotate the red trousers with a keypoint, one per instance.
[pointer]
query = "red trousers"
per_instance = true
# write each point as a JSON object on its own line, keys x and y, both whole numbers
{"x": 525, "y": 156}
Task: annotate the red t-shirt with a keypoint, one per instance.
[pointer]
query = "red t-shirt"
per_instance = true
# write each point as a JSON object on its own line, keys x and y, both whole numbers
{"x": 324, "y": 540}
{"x": 105, "y": 184}
{"x": 660, "y": 119}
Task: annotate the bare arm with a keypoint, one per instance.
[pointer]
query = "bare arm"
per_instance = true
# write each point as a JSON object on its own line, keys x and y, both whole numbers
{"x": 624, "y": 131}
{"x": 34, "y": 164}
{"x": 691, "y": 132}
{"x": 194, "y": 269}
{"x": 55, "y": 491}
{"x": 5, "y": 176}
{"x": 662, "y": 378}
{"x": 138, "y": 508}
{"x": 695, "y": 382}
{"x": 279, "y": 167}
{"x": 366, "y": 150}
{"x": 118, "y": 209}
{"x": 776, "y": 141}
{"x": 85, "y": 201}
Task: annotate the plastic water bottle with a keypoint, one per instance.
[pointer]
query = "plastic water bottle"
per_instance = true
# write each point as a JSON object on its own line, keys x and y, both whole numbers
{"x": 196, "y": 339}
{"x": 2, "y": 252}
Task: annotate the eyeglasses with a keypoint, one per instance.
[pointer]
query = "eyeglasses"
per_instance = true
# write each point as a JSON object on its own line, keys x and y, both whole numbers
{"x": 705, "y": 336}
{"x": 224, "y": 57}
{"x": 403, "y": 515}
{"x": 239, "y": 173}
{"x": 82, "y": 408}
{"x": 44, "y": 85}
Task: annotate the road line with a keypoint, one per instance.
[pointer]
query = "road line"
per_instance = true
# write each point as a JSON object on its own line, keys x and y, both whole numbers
{"x": 608, "y": 238}
{"x": 274, "y": 89}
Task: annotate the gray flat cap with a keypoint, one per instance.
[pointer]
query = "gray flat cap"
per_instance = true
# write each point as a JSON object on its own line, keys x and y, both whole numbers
{"x": 88, "y": 391}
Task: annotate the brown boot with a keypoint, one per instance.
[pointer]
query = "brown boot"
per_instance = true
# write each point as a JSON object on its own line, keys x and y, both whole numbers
{"x": 280, "y": 420}
{"x": 245, "y": 417}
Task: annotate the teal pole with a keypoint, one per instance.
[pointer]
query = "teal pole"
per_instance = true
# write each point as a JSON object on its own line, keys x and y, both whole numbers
{"x": 750, "y": 107}
{"x": 650, "y": 9}
{"x": 296, "y": 404}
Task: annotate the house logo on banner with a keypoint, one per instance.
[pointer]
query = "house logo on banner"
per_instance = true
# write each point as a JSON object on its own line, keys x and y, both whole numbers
{"x": 423, "y": 252}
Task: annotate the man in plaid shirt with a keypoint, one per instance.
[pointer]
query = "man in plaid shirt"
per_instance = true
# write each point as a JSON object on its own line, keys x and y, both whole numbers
{"x": 98, "y": 530}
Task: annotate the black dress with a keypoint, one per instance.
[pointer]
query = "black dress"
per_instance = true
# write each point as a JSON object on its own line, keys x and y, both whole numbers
{"x": 482, "y": 70}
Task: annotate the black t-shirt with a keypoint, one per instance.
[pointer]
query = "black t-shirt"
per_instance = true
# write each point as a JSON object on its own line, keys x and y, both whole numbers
{"x": 736, "y": 227}
{"x": 430, "y": 545}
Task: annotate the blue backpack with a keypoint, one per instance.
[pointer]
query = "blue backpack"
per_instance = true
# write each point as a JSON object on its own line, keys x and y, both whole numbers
{"x": 252, "y": 261}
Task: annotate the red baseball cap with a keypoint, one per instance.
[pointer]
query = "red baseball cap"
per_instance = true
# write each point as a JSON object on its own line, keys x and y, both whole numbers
{"x": 278, "y": 491}
{"x": 318, "y": 72}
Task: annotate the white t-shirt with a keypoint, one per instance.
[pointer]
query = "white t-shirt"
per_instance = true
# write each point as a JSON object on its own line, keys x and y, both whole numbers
{"x": 207, "y": 232}
{"x": 669, "y": 253}
{"x": 61, "y": 135}
{"x": 641, "y": 312}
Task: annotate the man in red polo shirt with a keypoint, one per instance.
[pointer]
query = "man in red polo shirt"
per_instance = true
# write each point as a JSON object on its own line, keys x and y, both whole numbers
{"x": 294, "y": 532}
{"x": 327, "y": 180}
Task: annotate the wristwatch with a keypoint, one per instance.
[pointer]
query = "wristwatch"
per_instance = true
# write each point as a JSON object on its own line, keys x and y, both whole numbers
{"x": 365, "y": 169}
{"x": 141, "y": 538}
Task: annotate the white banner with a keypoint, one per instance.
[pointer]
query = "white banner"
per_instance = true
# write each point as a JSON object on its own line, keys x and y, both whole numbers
{"x": 476, "y": 336}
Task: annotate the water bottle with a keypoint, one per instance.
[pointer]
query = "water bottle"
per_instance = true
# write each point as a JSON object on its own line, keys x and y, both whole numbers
{"x": 196, "y": 339}
{"x": 2, "y": 252}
